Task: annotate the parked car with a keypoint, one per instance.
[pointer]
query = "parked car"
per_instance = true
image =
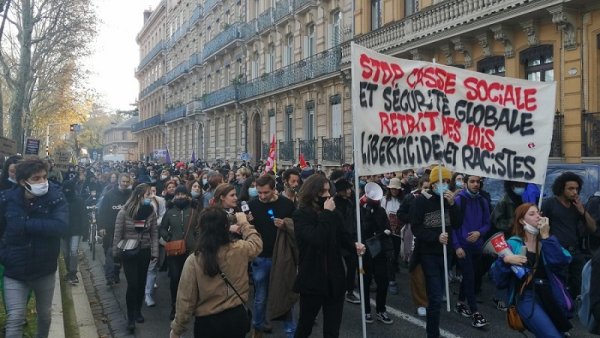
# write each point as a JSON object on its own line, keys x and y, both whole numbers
{"x": 590, "y": 173}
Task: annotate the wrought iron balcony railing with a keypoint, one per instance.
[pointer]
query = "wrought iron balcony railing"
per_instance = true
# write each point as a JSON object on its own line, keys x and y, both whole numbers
{"x": 195, "y": 60}
{"x": 308, "y": 148}
{"x": 556, "y": 149}
{"x": 286, "y": 150}
{"x": 179, "y": 33}
{"x": 152, "y": 87}
{"x": 151, "y": 55}
{"x": 222, "y": 40}
{"x": 312, "y": 67}
{"x": 179, "y": 70}
{"x": 590, "y": 134}
{"x": 175, "y": 113}
{"x": 302, "y": 4}
{"x": 196, "y": 15}
{"x": 220, "y": 96}
{"x": 333, "y": 149}
{"x": 282, "y": 9}
{"x": 147, "y": 123}
{"x": 195, "y": 106}
{"x": 209, "y": 4}
{"x": 265, "y": 20}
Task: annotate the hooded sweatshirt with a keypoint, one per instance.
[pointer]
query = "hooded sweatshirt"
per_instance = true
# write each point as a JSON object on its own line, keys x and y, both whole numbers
{"x": 475, "y": 217}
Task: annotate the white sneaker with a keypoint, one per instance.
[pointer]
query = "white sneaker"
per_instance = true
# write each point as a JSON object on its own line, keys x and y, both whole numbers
{"x": 422, "y": 311}
{"x": 149, "y": 301}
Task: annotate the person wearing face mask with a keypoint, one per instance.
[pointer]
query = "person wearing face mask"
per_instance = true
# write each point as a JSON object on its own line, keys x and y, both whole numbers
{"x": 291, "y": 184}
{"x": 163, "y": 179}
{"x": 241, "y": 175}
{"x": 111, "y": 204}
{"x": 248, "y": 190}
{"x": 320, "y": 237}
{"x": 177, "y": 224}
{"x": 274, "y": 270}
{"x": 532, "y": 246}
{"x": 467, "y": 241}
{"x": 458, "y": 182}
{"x": 78, "y": 226}
{"x": 430, "y": 241}
{"x": 195, "y": 188}
{"x": 34, "y": 218}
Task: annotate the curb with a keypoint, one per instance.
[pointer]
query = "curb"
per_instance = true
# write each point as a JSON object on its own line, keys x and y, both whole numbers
{"x": 83, "y": 311}
{"x": 57, "y": 326}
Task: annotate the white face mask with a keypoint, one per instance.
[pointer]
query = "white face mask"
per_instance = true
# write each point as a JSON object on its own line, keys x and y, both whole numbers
{"x": 531, "y": 229}
{"x": 12, "y": 180}
{"x": 38, "y": 189}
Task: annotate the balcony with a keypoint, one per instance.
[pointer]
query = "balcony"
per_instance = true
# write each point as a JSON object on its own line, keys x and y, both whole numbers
{"x": 176, "y": 72}
{"x": 265, "y": 20}
{"x": 282, "y": 9}
{"x": 151, "y": 55}
{"x": 590, "y": 134}
{"x": 222, "y": 40}
{"x": 195, "y": 60}
{"x": 210, "y": 4}
{"x": 179, "y": 33}
{"x": 333, "y": 149}
{"x": 220, "y": 96}
{"x": 425, "y": 26}
{"x": 310, "y": 68}
{"x": 308, "y": 148}
{"x": 286, "y": 150}
{"x": 301, "y": 5}
{"x": 195, "y": 106}
{"x": 147, "y": 123}
{"x": 152, "y": 87}
{"x": 175, "y": 113}
{"x": 196, "y": 15}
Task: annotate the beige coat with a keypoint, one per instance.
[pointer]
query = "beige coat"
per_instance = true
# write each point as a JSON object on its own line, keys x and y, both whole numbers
{"x": 200, "y": 295}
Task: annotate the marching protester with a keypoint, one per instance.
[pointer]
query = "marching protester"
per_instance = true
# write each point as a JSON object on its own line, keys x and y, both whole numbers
{"x": 391, "y": 203}
{"x": 320, "y": 236}
{"x": 274, "y": 270}
{"x": 78, "y": 227}
{"x": 536, "y": 301}
{"x": 34, "y": 217}
{"x": 160, "y": 208}
{"x": 214, "y": 285}
{"x": 135, "y": 242}
{"x": 9, "y": 172}
{"x": 291, "y": 183}
{"x": 426, "y": 218}
{"x": 111, "y": 204}
{"x": 178, "y": 224}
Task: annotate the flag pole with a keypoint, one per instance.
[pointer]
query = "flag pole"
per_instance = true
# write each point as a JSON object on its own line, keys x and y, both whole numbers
{"x": 361, "y": 272}
{"x": 445, "y": 248}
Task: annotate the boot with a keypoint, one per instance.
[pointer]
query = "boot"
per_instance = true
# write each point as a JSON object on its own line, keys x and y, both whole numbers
{"x": 138, "y": 316}
{"x": 130, "y": 321}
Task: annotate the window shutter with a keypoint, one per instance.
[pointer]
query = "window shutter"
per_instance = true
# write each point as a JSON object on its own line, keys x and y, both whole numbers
{"x": 330, "y": 37}
{"x": 336, "y": 120}
{"x": 305, "y": 51}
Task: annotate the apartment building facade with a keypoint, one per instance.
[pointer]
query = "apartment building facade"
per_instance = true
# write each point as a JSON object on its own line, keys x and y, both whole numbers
{"x": 223, "y": 77}
{"x": 119, "y": 143}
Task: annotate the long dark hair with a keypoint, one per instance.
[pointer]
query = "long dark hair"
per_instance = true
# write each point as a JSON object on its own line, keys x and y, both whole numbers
{"x": 310, "y": 190}
{"x": 214, "y": 233}
{"x": 11, "y": 160}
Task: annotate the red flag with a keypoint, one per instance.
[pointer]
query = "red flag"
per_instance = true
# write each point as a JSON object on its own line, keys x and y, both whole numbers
{"x": 302, "y": 161}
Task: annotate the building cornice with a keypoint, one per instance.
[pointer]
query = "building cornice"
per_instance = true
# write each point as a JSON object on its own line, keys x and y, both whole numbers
{"x": 151, "y": 20}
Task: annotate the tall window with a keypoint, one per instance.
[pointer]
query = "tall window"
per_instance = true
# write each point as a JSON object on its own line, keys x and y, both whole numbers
{"x": 538, "y": 62}
{"x": 289, "y": 123}
{"x": 288, "y": 50}
{"x": 254, "y": 69}
{"x": 375, "y": 14}
{"x": 493, "y": 65}
{"x": 335, "y": 29}
{"x": 226, "y": 132}
{"x": 310, "y": 120}
{"x": 410, "y": 7}
{"x": 310, "y": 41}
{"x": 270, "y": 59}
{"x": 256, "y": 8}
{"x": 336, "y": 116}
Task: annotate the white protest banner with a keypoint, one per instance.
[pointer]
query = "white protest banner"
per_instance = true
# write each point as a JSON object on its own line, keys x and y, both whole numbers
{"x": 410, "y": 114}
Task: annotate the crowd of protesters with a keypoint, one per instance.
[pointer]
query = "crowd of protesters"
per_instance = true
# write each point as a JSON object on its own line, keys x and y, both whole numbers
{"x": 292, "y": 236}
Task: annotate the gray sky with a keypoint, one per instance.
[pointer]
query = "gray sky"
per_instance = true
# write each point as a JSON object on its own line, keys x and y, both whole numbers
{"x": 116, "y": 53}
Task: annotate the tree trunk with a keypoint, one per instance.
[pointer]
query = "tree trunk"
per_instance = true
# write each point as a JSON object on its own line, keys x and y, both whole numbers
{"x": 18, "y": 104}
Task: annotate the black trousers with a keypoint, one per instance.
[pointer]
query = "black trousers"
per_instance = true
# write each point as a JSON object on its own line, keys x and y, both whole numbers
{"x": 136, "y": 269}
{"x": 332, "y": 315}
{"x": 376, "y": 268}
{"x": 351, "y": 261}
{"x": 175, "y": 268}
{"x": 231, "y": 323}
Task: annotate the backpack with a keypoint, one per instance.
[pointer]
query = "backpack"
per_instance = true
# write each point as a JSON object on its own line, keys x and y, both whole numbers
{"x": 586, "y": 317}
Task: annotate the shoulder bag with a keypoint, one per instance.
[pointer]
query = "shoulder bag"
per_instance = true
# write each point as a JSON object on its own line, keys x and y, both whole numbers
{"x": 248, "y": 312}
{"x": 129, "y": 247}
{"x": 178, "y": 247}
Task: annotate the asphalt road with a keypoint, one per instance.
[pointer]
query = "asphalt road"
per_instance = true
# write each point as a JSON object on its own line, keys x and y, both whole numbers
{"x": 406, "y": 322}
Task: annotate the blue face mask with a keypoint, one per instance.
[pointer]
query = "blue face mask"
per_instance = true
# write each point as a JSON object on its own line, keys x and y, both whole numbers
{"x": 147, "y": 201}
{"x": 518, "y": 190}
{"x": 204, "y": 181}
{"x": 195, "y": 194}
{"x": 441, "y": 188}
{"x": 252, "y": 192}
{"x": 472, "y": 194}
{"x": 458, "y": 184}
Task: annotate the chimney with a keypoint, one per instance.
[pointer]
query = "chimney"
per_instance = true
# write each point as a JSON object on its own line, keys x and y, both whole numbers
{"x": 147, "y": 14}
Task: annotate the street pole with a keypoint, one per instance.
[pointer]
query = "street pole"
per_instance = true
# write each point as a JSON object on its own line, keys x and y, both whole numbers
{"x": 48, "y": 140}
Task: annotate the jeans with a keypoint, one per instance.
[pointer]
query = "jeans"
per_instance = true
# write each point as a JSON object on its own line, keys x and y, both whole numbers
{"x": 70, "y": 248}
{"x": 433, "y": 267}
{"x": 153, "y": 270}
{"x": 535, "y": 318}
{"x": 111, "y": 269}
{"x": 175, "y": 268}
{"x": 261, "y": 272}
{"x": 15, "y": 298}
{"x": 378, "y": 268}
{"x": 136, "y": 268}
{"x": 469, "y": 266}
{"x": 309, "y": 309}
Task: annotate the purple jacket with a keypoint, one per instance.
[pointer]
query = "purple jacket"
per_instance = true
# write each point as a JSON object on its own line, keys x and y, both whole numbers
{"x": 475, "y": 217}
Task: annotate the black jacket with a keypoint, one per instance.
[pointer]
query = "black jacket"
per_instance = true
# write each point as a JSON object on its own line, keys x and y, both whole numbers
{"x": 78, "y": 217}
{"x": 426, "y": 223}
{"x": 110, "y": 206}
{"x": 320, "y": 238}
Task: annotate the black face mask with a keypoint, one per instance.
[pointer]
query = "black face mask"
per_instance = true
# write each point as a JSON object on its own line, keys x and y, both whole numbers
{"x": 181, "y": 203}
{"x": 321, "y": 201}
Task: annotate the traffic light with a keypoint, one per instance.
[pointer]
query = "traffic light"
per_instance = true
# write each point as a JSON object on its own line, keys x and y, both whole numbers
{"x": 72, "y": 127}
